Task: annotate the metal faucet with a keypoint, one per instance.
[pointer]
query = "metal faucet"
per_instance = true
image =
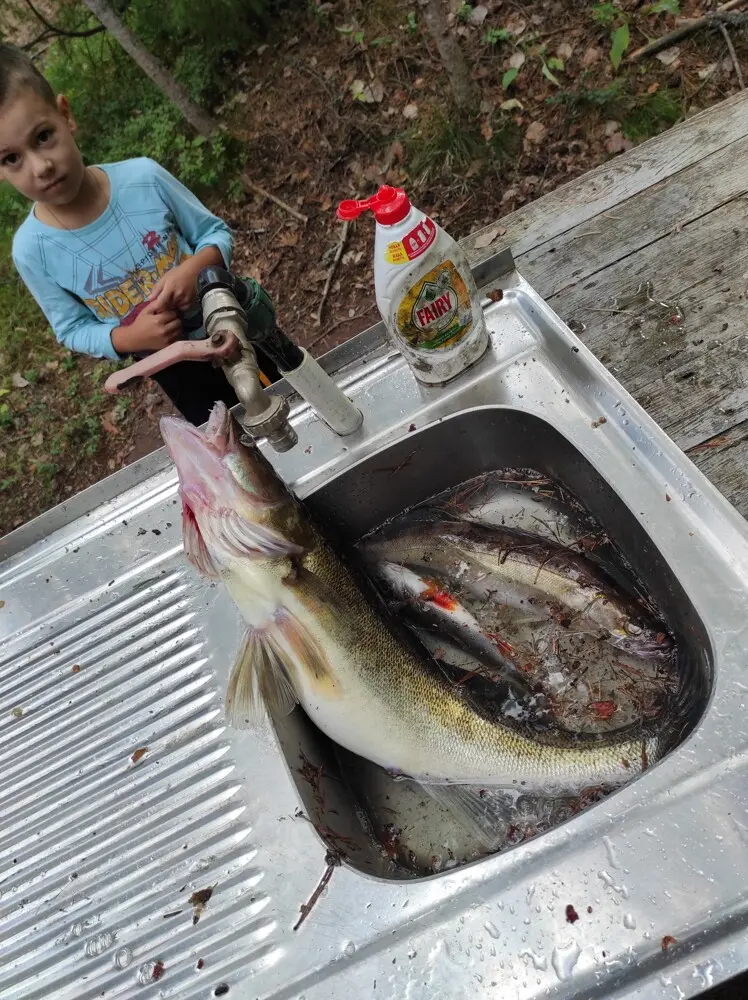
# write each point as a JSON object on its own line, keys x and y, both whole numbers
{"x": 236, "y": 315}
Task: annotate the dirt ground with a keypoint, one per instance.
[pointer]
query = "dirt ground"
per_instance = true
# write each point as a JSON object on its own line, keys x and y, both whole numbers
{"x": 312, "y": 142}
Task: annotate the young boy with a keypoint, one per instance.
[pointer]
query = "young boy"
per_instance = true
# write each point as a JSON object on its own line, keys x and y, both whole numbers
{"x": 111, "y": 253}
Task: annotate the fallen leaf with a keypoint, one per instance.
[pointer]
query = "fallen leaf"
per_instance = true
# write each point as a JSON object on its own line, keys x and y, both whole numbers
{"x": 612, "y": 127}
{"x": 591, "y": 56}
{"x": 515, "y": 24}
{"x": 108, "y": 426}
{"x": 618, "y": 143}
{"x": 668, "y": 940}
{"x": 536, "y": 132}
{"x": 486, "y": 131}
{"x": 326, "y": 204}
{"x": 289, "y": 238}
{"x": 410, "y": 111}
{"x": 199, "y": 901}
{"x": 37, "y": 439}
{"x": 517, "y": 60}
{"x": 368, "y": 93}
{"x": 398, "y": 153}
{"x": 564, "y": 51}
{"x": 496, "y": 295}
{"x": 603, "y": 709}
{"x": 76, "y": 668}
{"x": 487, "y": 238}
{"x": 17, "y": 713}
{"x": 512, "y": 105}
{"x": 707, "y": 71}
{"x": 668, "y": 57}
{"x": 51, "y": 366}
{"x": 478, "y": 14}
{"x": 18, "y": 381}
{"x": 138, "y": 754}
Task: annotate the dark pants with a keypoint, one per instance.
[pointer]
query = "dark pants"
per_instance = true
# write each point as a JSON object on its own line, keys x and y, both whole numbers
{"x": 194, "y": 386}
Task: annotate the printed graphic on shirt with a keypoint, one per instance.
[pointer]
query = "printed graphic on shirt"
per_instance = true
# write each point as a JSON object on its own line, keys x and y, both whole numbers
{"x": 115, "y": 298}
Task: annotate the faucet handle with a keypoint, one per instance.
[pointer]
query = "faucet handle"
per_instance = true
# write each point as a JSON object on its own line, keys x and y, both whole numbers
{"x": 220, "y": 347}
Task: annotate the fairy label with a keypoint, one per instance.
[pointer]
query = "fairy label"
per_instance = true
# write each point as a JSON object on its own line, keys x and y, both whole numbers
{"x": 436, "y": 313}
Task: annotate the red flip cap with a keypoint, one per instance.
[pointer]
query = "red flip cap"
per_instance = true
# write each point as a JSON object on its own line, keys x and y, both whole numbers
{"x": 389, "y": 205}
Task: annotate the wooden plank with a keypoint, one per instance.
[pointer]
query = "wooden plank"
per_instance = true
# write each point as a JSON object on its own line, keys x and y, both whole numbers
{"x": 644, "y": 219}
{"x": 689, "y": 375}
{"x": 609, "y": 185}
{"x": 724, "y": 460}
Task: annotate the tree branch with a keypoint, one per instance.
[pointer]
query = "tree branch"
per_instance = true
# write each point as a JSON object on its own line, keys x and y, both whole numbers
{"x": 687, "y": 28}
{"x": 60, "y": 31}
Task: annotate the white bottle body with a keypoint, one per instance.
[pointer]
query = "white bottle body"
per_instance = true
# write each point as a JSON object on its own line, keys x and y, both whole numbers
{"x": 427, "y": 297}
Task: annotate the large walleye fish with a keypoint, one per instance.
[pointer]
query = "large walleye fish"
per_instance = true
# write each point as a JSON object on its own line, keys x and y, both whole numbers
{"x": 314, "y": 639}
{"x": 513, "y": 568}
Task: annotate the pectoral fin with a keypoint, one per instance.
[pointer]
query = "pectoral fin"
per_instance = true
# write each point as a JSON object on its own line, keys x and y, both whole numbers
{"x": 267, "y": 664}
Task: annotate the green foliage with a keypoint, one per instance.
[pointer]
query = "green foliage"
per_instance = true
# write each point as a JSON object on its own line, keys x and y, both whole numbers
{"x": 412, "y": 22}
{"x": 445, "y": 147}
{"x": 509, "y": 77}
{"x": 610, "y": 99}
{"x": 495, "y": 35}
{"x": 117, "y": 122}
{"x": 641, "y": 116}
{"x": 548, "y": 74}
{"x": 664, "y": 7}
{"x": 463, "y": 12}
{"x": 605, "y": 13}
{"x": 619, "y": 40}
{"x": 652, "y": 114}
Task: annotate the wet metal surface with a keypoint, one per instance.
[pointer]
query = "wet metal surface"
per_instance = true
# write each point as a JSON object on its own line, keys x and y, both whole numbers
{"x": 125, "y": 795}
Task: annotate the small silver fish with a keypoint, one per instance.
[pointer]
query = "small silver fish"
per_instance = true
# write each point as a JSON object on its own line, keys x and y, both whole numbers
{"x": 516, "y": 569}
{"x": 313, "y": 638}
{"x": 429, "y": 602}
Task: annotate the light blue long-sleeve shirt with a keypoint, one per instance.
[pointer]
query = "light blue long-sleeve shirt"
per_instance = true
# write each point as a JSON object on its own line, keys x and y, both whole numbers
{"x": 88, "y": 281}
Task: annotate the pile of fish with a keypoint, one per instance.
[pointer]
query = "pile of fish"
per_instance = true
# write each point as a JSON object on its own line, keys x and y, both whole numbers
{"x": 473, "y": 697}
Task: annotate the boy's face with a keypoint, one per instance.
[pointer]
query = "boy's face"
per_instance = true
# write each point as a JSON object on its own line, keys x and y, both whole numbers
{"x": 38, "y": 154}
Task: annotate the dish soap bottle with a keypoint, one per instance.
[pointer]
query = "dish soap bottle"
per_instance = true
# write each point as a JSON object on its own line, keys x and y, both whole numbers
{"x": 425, "y": 290}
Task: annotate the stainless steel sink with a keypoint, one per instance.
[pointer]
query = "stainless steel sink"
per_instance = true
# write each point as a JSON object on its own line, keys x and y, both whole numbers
{"x": 102, "y": 845}
{"x": 391, "y": 828}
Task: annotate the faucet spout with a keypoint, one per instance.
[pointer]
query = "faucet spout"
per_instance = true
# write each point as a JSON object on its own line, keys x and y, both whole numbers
{"x": 264, "y": 415}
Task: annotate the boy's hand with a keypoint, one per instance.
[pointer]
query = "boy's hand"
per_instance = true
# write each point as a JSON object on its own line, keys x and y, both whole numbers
{"x": 177, "y": 289}
{"x": 154, "y": 328}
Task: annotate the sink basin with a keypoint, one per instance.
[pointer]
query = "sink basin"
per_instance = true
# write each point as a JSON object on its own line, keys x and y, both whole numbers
{"x": 390, "y": 828}
{"x": 127, "y": 799}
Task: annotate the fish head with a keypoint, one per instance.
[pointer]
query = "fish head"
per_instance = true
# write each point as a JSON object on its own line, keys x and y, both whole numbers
{"x": 641, "y": 638}
{"x": 233, "y": 503}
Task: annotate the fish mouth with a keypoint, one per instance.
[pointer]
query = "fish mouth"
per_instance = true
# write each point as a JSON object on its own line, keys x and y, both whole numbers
{"x": 178, "y": 434}
{"x": 198, "y": 454}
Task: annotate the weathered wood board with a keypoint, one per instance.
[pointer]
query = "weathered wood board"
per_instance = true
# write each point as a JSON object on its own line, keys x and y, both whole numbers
{"x": 647, "y": 259}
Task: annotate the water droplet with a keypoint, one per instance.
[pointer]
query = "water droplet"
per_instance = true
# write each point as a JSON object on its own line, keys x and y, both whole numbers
{"x": 493, "y": 930}
{"x": 629, "y": 921}
{"x": 145, "y": 973}
{"x": 99, "y": 943}
{"x": 564, "y": 957}
{"x": 123, "y": 958}
{"x": 540, "y": 962}
{"x": 611, "y": 852}
{"x": 350, "y": 949}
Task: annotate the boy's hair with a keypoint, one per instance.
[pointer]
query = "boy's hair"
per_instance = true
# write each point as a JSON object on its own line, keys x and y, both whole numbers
{"x": 17, "y": 71}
